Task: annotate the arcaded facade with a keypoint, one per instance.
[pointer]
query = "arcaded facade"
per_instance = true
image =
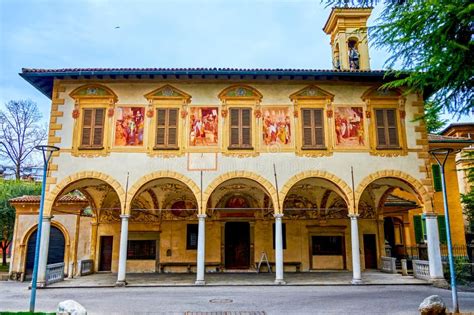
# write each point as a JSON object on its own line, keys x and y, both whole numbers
{"x": 203, "y": 170}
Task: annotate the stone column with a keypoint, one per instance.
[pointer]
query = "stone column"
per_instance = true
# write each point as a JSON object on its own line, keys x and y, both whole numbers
{"x": 201, "y": 250}
{"x": 43, "y": 253}
{"x": 279, "y": 249}
{"x": 356, "y": 274}
{"x": 122, "y": 268}
{"x": 434, "y": 252}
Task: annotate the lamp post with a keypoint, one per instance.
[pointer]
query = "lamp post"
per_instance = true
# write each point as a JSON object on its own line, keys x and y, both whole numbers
{"x": 441, "y": 156}
{"x": 47, "y": 151}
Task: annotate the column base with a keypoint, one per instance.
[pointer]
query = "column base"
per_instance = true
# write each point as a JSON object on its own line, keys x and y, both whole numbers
{"x": 440, "y": 283}
{"x": 356, "y": 281}
{"x": 279, "y": 281}
{"x": 121, "y": 283}
{"x": 200, "y": 282}
{"x": 39, "y": 285}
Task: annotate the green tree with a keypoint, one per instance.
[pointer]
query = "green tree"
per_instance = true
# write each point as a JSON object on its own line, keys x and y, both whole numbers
{"x": 10, "y": 189}
{"x": 432, "y": 118}
{"x": 432, "y": 42}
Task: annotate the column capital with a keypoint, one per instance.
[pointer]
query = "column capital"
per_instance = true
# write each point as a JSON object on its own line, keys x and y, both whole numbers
{"x": 430, "y": 215}
{"x": 202, "y": 216}
{"x": 353, "y": 216}
{"x": 47, "y": 218}
{"x": 278, "y": 215}
{"x": 125, "y": 216}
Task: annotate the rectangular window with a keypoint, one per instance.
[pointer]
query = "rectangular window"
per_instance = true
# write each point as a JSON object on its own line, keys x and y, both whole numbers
{"x": 387, "y": 131}
{"x": 442, "y": 229}
{"x": 313, "y": 128}
{"x": 141, "y": 249}
{"x": 166, "y": 129}
{"x": 92, "y": 128}
{"x": 283, "y": 231}
{"x": 191, "y": 236}
{"x": 327, "y": 245}
{"x": 436, "y": 171}
{"x": 240, "y": 128}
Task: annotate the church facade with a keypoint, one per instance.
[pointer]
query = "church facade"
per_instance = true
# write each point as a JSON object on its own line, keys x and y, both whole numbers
{"x": 204, "y": 170}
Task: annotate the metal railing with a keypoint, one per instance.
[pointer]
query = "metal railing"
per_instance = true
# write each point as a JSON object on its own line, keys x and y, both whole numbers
{"x": 54, "y": 273}
{"x": 421, "y": 269}
{"x": 389, "y": 264}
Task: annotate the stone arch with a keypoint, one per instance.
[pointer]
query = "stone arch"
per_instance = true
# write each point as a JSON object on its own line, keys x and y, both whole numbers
{"x": 241, "y": 174}
{"x": 157, "y": 175}
{"x": 26, "y": 236}
{"x": 342, "y": 185}
{"x": 421, "y": 193}
{"x": 56, "y": 191}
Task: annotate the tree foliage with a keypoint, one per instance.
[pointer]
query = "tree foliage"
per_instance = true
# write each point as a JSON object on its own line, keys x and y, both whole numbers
{"x": 10, "y": 189}
{"x": 20, "y": 132}
{"x": 432, "y": 118}
{"x": 432, "y": 42}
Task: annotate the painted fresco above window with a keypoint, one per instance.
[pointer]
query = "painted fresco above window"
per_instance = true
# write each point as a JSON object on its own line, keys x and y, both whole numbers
{"x": 203, "y": 126}
{"x": 277, "y": 127}
{"x": 349, "y": 127}
{"x": 129, "y": 126}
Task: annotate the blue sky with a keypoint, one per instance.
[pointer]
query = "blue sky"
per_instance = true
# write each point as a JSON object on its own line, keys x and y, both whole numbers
{"x": 179, "y": 33}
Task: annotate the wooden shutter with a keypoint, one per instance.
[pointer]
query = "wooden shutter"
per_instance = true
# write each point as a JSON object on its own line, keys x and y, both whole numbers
{"x": 418, "y": 229}
{"x": 240, "y": 128}
{"x": 442, "y": 229}
{"x": 313, "y": 128}
{"x": 387, "y": 130}
{"x": 166, "y": 128}
{"x": 436, "y": 171}
{"x": 93, "y": 127}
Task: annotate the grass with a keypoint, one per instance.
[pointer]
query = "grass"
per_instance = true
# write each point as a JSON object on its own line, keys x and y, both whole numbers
{"x": 4, "y": 268}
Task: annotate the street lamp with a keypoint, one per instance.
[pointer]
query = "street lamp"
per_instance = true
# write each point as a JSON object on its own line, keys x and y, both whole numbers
{"x": 47, "y": 151}
{"x": 441, "y": 156}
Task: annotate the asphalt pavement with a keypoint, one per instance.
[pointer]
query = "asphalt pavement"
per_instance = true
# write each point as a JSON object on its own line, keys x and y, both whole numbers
{"x": 374, "y": 299}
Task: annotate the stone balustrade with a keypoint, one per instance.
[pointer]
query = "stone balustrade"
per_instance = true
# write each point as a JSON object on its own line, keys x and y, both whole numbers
{"x": 54, "y": 273}
{"x": 421, "y": 269}
{"x": 389, "y": 264}
{"x": 86, "y": 267}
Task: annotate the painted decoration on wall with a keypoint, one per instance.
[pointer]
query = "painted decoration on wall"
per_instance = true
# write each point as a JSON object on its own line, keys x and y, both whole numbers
{"x": 277, "y": 127}
{"x": 129, "y": 125}
{"x": 349, "y": 127}
{"x": 203, "y": 126}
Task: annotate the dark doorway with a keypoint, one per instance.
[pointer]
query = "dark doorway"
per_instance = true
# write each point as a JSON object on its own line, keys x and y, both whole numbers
{"x": 106, "y": 243}
{"x": 237, "y": 245}
{"x": 55, "y": 251}
{"x": 370, "y": 251}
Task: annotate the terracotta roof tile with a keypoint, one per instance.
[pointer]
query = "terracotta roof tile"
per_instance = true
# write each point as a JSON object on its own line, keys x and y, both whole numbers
{"x": 36, "y": 199}
{"x": 438, "y": 138}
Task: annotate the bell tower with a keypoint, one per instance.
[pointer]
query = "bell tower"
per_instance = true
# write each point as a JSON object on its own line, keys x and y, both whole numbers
{"x": 348, "y": 29}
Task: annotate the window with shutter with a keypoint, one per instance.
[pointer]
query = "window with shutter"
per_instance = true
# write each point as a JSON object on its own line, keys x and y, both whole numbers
{"x": 418, "y": 229}
{"x": 166, "y": 129}
{"x": 240, "y": 128}
{"x": 387, "y": 130}
{"x": 442, "y": 229}
{"x": 92, "y": 135}
{"x": 313, "y": 128}
{"x": 436, "y": 171}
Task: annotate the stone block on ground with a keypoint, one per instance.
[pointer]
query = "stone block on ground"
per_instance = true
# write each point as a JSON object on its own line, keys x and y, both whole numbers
{"x": 71, "y": 307}
{"x": 432, "y": 305}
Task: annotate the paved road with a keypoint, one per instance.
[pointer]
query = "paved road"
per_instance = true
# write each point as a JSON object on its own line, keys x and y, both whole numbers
{"x": 14, "y": 296}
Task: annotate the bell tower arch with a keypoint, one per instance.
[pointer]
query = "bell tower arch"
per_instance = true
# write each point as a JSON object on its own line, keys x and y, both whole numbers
{"x": 348, "y": 30}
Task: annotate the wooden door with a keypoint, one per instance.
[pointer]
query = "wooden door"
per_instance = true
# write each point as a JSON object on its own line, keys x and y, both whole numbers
{"x": 106, "y": 245}
{"x": 237, "y": 245}
{"x": 55, "y": 248}
{"x": 370, "y": 251}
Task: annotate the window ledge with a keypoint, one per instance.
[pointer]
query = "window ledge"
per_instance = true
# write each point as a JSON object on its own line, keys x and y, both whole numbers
{"x": 90, "y": 148}
{"x": 240, "y": 148}
{"x": 166, "y": 148}
{"x": 314, "y": 148}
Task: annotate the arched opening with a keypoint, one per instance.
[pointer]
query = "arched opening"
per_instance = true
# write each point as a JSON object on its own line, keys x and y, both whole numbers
{"x": 56, "y": 251}
{"x": 240, "y": 204}
{"x": 354, "y": 54}
{"x": 162, "y": 226}
{"x": 387, "y": 208}
{"x": 324, "y": 203}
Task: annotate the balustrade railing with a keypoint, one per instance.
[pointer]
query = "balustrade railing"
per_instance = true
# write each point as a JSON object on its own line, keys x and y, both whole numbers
{"x": 421, "y": 269}
{"x": 389, "y": 264}
{"x": 86, "y": 267}
{"x": 54, "y": 273}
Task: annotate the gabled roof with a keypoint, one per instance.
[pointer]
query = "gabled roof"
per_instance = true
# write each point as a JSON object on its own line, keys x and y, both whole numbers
{"x": 42, "y": 79}
{"x": 37, "y": 199}
{"x": 433, "y": 138}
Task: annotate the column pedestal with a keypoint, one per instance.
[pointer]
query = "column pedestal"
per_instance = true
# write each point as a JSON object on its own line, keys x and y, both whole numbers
{"x": 279, "y": 249}
{"x": 434, "y": 252}
{"x": 356, "y": 273}
{"x": 122, "y": 268}
{"x": 201, "y": 250}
